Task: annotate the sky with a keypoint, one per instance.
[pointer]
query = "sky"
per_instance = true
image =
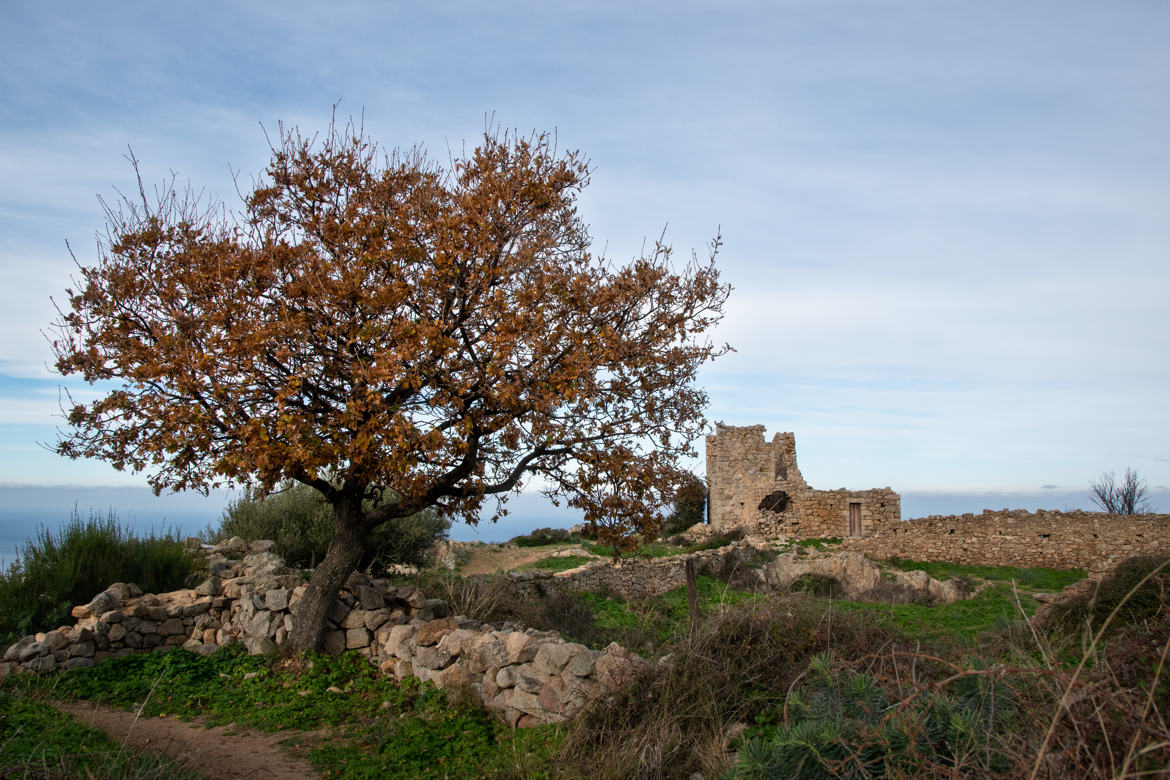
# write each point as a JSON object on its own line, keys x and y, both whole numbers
{"x": 947, "y": 224}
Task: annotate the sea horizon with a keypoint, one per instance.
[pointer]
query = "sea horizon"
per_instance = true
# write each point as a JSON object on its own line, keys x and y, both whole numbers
{"x": 26, "y": 509}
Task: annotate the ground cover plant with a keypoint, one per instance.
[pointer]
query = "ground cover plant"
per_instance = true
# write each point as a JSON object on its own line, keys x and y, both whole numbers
{"x": 62, "y": 568}
{"x": 560, "y": 563}
{"x": 962, "y": 621}
{"x": 363, "y": 724}
{"x": 1033, "y": 578}
{"x": 37, "y": 741}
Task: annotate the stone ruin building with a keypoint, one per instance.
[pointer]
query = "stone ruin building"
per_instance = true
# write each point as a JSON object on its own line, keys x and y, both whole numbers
{"x": 756, "y": 485}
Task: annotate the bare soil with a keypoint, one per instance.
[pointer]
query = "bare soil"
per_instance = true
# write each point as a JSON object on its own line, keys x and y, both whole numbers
{"x": 489, "y": 559}
{"x": 217, "y": 753}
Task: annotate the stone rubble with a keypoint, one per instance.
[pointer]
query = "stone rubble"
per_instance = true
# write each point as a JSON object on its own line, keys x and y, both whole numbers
{"x": 755, "y": 561}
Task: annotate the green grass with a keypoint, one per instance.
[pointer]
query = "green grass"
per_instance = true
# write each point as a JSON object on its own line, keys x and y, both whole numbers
{"x": 651, "y": 550}
{"x": 651, "y": 624}
{"x": 1034, "y": 578}
{"x": 661, "y": 549}
{"x": 560, "y": 563}
{"x": 964, "y": 621}
{"x": 365, "y": 724}
{"x": 38, "y": 741}
{"x": 819, "y": 544}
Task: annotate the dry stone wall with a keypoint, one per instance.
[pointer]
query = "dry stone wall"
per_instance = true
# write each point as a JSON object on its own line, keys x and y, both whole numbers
{"x": 756, "y": 485}
{"x": 636, "y": 579}
{"x": 1088, "y": 540}
{"x": 526, "y": 676}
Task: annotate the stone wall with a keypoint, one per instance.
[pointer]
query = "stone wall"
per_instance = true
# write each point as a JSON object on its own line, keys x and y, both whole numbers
{"x": 756, "y": 485}
{"x": 636, "y": 579}
{"x": 250, "y": 596}
{"x": 1087, "y": 540}
{"x": 528, "y": 677}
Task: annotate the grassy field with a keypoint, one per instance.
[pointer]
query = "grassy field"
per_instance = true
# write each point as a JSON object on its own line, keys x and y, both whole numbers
{"x": 801, "y": 686}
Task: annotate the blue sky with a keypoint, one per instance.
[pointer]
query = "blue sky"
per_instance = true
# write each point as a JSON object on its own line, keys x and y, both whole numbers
{"x": 947, "y": 224}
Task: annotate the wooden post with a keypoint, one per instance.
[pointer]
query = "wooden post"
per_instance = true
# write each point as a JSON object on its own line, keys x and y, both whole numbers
{"x": 692, "y": 595}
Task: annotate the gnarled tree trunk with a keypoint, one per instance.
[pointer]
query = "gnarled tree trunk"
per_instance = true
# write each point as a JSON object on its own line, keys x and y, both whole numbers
{"x": 308, "y": 629}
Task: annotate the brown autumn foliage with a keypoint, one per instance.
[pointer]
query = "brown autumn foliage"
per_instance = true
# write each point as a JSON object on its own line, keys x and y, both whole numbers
{"x": 394, "y": 333}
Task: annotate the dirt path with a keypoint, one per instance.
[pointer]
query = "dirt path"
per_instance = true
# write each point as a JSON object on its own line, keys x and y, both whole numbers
{"x": 489, "y": 559}
{"x": 219, "y": 753}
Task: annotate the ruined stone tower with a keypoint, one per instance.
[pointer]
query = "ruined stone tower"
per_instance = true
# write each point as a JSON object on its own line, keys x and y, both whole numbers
{"x": 756, "y": 485}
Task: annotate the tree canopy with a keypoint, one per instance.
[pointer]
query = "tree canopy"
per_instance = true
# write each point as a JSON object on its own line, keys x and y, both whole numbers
{"x": 374, "y": 325}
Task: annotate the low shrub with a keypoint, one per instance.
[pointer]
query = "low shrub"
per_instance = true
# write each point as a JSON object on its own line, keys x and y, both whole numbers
{"x": 540, "y": 537}
{"x": 818, "y": 585}
{"x": 484, "y": 597}
{"x": 690, "y": 505}
{"x": 1136, "y": 587}
{"x": 301, "y": 525}
{"x": 842, "y": 723}
{"x": 675, "y": 719}
{"x": 59, "y": 570}
{"x": 493, "y": 598}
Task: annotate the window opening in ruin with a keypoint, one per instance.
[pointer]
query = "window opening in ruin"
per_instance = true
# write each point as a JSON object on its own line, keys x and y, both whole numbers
{"x": 855, "y": 519}
{"x": 781, "y": 471}
{"x": 774, "y": 502}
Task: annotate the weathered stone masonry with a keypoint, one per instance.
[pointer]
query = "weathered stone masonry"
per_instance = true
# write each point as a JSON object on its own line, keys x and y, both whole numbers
{"x": 1088, "y": 540}
{"x": 756, "y": 485}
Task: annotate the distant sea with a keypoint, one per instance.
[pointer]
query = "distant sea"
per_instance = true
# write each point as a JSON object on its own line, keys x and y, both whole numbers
{"x": 24, "y": 509}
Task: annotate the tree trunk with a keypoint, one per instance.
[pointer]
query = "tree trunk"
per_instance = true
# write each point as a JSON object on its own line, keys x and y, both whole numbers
{"x": 308, "y": 629}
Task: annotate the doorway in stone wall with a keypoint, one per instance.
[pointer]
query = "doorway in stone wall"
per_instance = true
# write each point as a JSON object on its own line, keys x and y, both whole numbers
{"x": 855, "y": 519}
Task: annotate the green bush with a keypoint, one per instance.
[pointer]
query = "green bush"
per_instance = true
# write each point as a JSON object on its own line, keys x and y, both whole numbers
{"x": 57, "y": 571}
{"x": 841, "y": 723}
{"x": 818, "y": 585}
{"x": 300, "y": 523}
{"x": 690, "y": 507}
{"x": 1146, "y": 604}
{"x": 673, "y": 719}
{"x": 545, "y": 536}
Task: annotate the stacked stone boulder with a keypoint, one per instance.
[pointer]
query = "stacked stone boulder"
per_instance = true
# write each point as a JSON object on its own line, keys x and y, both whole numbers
{"x": 250, "y": 595}
{"x": 529, "y": 677}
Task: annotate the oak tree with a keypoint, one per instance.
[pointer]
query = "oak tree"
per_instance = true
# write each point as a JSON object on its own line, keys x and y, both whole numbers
{"x": 394, "y": 333}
